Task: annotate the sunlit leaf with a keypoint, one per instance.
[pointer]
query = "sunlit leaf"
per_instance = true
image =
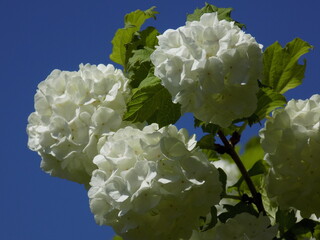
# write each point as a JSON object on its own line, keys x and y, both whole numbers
{"x": 152, "y": 103}
{"x": 281, "y": 68}
{"x": 133, "y": 21}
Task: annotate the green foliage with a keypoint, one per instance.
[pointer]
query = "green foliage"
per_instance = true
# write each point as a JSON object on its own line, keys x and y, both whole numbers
{"x": 151, "y": 102}
{"x": 223, "y": 14}
{"x": 206, "y": 143}
{"x": 232, "y": 211}
{"x": 214, "y": 220}
{"x": 133, "y": 21}
{"x": 281, "y": 68}
{"x": 140, "y": 66}
{"x": 290, "y": 229}
{"x": 286, "y": 220}
{"x": 117, "y": 238}
{"x": 268, "y": 100}
{"x": 213, "y": 128}
{"x": 223, "y": 180}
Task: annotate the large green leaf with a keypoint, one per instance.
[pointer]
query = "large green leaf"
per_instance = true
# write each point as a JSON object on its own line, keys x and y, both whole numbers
{"x": 152, "y": 103}
{"x": 223, "y": 14}
{"x": 281, "y": 68}
{"x": 133, "y": 21}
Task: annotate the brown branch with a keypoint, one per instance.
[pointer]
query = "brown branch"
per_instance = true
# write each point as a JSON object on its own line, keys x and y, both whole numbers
{"x": 233, "y": 154}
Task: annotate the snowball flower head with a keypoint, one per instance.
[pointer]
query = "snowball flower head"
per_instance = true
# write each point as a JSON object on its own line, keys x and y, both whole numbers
{"x": 73, "y": 110}
{"x": 152, "y": 183}
{"x": 291, "y": 140}
{"x": 211, "y": 68}
{"x": 243, "y": 226}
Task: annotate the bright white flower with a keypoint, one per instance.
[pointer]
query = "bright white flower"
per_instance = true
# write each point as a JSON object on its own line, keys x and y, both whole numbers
{"x": 73, "y": 110}
{"x": 211, "y": 68}
{"x": 291, "y": 140}
{"x": 152, "y": 183}
{"x": 243, "y": 226}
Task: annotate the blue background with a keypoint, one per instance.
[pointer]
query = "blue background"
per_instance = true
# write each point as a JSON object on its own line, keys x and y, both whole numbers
{"x": 39, "y": 36}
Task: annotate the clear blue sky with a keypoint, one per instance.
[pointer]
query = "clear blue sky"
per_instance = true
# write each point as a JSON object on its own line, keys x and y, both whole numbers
{"x": 39, "y": 36}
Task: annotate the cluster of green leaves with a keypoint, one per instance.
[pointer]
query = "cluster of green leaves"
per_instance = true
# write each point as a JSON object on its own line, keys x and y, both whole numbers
{"x": 291, "y": 229}
{"x": 281, "y": 72}
{"x": 151, "y": 102}
{"x": 132, "y": 47}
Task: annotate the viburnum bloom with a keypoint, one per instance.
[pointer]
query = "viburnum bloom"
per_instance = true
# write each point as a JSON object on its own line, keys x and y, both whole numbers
{"x": 152, "y": 183}
{"x": 243, "y": 226}
{"x": 73, "y": 110}
{"x": 211, "y": 68}
{"x": 291, "y": 140}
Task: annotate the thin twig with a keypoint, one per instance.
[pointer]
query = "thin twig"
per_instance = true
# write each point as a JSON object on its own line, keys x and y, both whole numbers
{"x": 233, "y": 154}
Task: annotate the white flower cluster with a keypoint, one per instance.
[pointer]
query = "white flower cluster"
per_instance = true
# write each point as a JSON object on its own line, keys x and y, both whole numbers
{"x": 152, "y": 183}
{"x": 291, "y": 140}
{"x": 211, "y": 68}
{"x": 243, "y": 226}
{"x": 73, "y": 110}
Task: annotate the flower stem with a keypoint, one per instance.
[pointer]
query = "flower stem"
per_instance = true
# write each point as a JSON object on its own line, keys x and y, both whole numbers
{"x": 233, "y": 154}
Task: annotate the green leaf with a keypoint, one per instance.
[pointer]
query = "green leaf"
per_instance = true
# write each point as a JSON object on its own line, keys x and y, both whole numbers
{"x": 232, "y": 211}
{"x": 133, "y": 22}
{"x": 281, "y": 68}
{"x": 150, "y": 80}
{"x": 223, "y": 14}
{"x": 206, "y": 142}
{"x": 152, "y": 103}
{"x": 206, "y": 127}
{"x": 148, "y": 37}
{"x": 117, "y": 238}
{"x": 214, "y": 219}
{"x": 140, "y": 56}
{"x": 223, "y": 180}
{"x": 141, "y": 39}
{"x": 305, "y": 227}
{"x": 268, "y": 100}
{"x": 286, "y": 219}
{"x": 213, "y": 128}
{"x": 140, "y": 66}
{"x": 138, "y": 17}
{"x": 138, "y": 51}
